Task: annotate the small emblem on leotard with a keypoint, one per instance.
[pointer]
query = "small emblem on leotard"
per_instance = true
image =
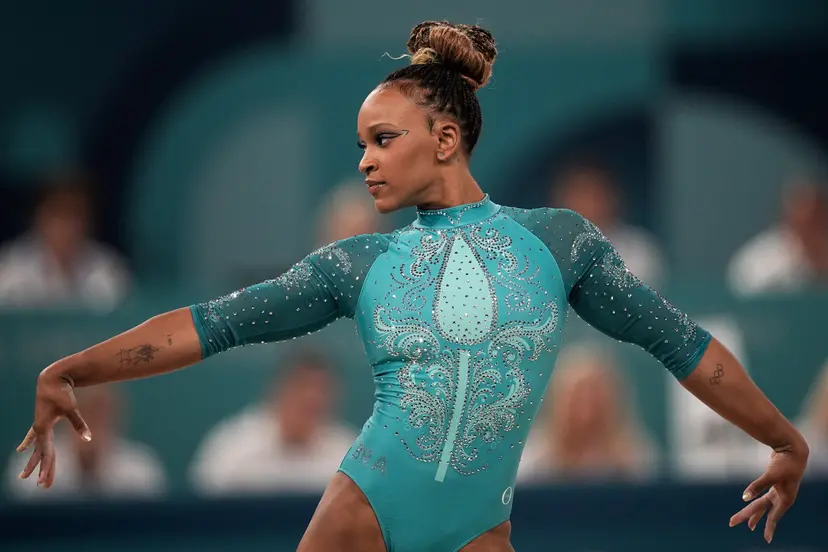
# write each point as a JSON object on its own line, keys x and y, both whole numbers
{"x": 362, "y": 454}
{"x": 379, "y": 465}
{"x": 506, "y": 497}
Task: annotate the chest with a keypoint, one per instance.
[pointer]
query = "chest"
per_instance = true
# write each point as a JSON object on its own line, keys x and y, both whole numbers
{"x": 469, "y": 288}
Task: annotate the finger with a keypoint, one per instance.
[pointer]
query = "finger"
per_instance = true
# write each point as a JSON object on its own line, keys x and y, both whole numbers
{"x": 775, "y": 514}
{"x": 757, "y": 487}
{"x": 80, "y": 426}
{"x": 27, "y": 441}
{"x": 756, "y": 507}
{"x": 754, "y": 520}
{"x": 44, "y": 443}
{"x": 34, "y": 460}
{"x": 50, "y": 478}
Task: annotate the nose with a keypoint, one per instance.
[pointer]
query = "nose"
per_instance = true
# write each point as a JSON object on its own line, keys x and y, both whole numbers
{"x": 366, "y": 165}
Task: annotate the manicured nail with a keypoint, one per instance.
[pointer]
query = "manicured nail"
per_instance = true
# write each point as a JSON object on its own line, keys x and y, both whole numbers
{"x": 87, "y": 436}
{"x": 746, "y": 497}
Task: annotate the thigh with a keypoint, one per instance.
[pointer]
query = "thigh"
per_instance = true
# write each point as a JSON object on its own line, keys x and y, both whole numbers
{"x": 343, "y": 521}
{"x": 494, "y": 540}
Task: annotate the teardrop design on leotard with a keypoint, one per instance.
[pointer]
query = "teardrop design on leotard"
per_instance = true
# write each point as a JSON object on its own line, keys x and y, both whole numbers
{"x": 465, "y": 306}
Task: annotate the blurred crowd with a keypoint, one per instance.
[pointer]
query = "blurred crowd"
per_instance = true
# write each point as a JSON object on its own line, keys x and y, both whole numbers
{"x": 291, "y": 439}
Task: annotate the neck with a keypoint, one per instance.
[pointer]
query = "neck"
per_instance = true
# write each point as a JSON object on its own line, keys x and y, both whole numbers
{"x": 458, "y": 187}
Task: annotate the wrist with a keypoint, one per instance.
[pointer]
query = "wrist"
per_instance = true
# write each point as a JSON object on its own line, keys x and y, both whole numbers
{"x": 63, "y": 370}
{"x": 795, "y": 445}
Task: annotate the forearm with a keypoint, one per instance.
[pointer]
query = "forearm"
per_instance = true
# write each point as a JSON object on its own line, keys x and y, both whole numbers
{"x": 162, "y": 344}
{"x": 721, "y": 383}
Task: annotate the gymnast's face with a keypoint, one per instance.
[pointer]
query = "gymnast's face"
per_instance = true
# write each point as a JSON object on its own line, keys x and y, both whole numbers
{"x": 400, "y": 160}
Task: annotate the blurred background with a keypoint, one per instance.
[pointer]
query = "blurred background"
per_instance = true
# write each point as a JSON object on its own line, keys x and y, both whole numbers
{"x": 158, "y": 153}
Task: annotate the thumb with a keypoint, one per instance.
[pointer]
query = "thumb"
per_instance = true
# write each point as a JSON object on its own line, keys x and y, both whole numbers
{"x": 75, "y": 418}
{"x": 757, "y": 487}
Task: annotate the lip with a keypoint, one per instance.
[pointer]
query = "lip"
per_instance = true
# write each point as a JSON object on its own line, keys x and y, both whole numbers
{"x": 374, "y": 185}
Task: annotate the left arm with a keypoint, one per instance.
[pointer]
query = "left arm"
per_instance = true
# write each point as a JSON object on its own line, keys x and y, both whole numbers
{"x": 607, "y": 296}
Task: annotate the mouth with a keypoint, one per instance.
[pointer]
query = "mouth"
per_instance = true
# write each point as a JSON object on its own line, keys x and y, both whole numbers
{"x": 374, "y": 185}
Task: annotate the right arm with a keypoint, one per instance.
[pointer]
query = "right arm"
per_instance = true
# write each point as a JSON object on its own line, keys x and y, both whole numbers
{"x": 313, "y": 293}
{"x": 302, "y": 300}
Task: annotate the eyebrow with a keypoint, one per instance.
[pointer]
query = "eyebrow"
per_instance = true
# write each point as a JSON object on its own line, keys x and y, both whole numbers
{"x": 373, "y": 127}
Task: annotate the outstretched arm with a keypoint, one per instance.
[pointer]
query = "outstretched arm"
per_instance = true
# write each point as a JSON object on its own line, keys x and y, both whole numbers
{"x": 607, "y": 296}
{"x": 311, "y": 295}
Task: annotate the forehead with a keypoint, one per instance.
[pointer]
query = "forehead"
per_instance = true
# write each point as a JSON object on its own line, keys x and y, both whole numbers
{"x": 387, "y": 106}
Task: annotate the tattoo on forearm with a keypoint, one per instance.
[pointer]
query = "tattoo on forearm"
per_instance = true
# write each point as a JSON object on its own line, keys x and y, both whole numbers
{"x": 143, "y": 353}
{"x": 718, "y": 374}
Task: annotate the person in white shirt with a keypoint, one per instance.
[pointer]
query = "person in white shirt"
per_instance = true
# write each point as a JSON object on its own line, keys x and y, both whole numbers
{"x": 110, "y": 466}
{"x": 56, "y": 262}
{"x": 589, "y": 188}
{"x": 287, "y": 444}
{"x": 790, "y": 256}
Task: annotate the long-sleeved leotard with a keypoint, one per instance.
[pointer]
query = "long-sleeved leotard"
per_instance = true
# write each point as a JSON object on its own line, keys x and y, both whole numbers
{"x": 461, "y": 316}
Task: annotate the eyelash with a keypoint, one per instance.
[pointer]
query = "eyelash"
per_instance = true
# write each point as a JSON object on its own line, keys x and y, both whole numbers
{"x": 387, "y": 136}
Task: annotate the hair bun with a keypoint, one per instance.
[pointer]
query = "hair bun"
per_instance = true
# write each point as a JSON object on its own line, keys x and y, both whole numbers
{"x": 468, "y": 49}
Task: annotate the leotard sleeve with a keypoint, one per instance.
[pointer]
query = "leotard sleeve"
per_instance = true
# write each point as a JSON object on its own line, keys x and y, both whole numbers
{"x": 605, "y": 294}
{"x": 314, "y": 292}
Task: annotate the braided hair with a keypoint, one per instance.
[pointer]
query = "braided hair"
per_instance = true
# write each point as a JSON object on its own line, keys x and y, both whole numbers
{"x": 448, "y": 64}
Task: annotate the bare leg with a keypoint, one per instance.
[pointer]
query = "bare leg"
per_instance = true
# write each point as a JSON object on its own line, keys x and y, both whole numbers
{"x": 343, "y": 522}
{"x": 494, "y": 540}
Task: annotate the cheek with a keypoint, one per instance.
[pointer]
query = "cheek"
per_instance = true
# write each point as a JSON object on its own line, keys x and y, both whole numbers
{"x": 409, "y": 164}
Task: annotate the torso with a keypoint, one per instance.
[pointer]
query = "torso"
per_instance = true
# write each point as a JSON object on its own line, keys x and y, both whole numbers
{"x": 461, "y": 323}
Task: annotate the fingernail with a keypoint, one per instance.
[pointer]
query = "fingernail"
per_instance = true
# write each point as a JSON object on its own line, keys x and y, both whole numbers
{"x": 20, "y": 475}
{"x": 87, "y": 436}
{"x": 746, "y": 497}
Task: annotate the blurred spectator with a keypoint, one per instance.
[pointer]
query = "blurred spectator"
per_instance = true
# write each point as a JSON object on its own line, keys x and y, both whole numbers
{"x": 287, "y": 444}
{"x": 588, "y": 427}
{"x": 108, "y": 467}
{"x": 57, "y": 262}
{"x": 347, "y": 210}
{"x": 792, "y": 254}
{"x": 814, "y": 425}
{"x": 591, "y": 189}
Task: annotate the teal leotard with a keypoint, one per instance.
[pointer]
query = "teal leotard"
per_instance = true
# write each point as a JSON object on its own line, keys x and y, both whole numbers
{"x": 461, "y": 316}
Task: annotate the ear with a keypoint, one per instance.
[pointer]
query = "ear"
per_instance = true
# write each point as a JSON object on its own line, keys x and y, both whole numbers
{"x": 448, "y": 139}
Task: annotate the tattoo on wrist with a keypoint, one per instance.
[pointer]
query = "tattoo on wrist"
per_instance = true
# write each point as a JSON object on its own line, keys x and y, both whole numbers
{"x": 718, "y": 374}
{"x": 137, "y": 355}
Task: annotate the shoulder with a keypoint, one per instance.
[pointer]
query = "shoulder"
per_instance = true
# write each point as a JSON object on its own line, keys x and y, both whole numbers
{"x": 355, "y": 246}
{"x": 558, "y": 229}
{"x": 546, "y": 218}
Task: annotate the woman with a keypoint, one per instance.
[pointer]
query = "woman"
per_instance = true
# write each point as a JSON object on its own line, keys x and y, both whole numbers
{"x": 460, "y": 314}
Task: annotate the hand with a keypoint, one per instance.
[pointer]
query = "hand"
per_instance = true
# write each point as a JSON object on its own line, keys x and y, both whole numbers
{"x": 783, "y": 476}
{"x": 54, "y": 399}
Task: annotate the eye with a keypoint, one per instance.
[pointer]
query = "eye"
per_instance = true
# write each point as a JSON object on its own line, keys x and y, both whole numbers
{"x": 383, "y": 138}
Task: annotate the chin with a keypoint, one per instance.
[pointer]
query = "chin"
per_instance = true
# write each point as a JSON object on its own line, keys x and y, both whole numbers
{"x": 386, "y": 205}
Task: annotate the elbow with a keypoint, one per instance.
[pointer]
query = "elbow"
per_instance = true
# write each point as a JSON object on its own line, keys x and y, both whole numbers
{"x": 684, "y": 363}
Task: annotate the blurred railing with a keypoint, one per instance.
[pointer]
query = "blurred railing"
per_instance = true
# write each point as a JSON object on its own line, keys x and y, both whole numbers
{"x": 575, "y": 519}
